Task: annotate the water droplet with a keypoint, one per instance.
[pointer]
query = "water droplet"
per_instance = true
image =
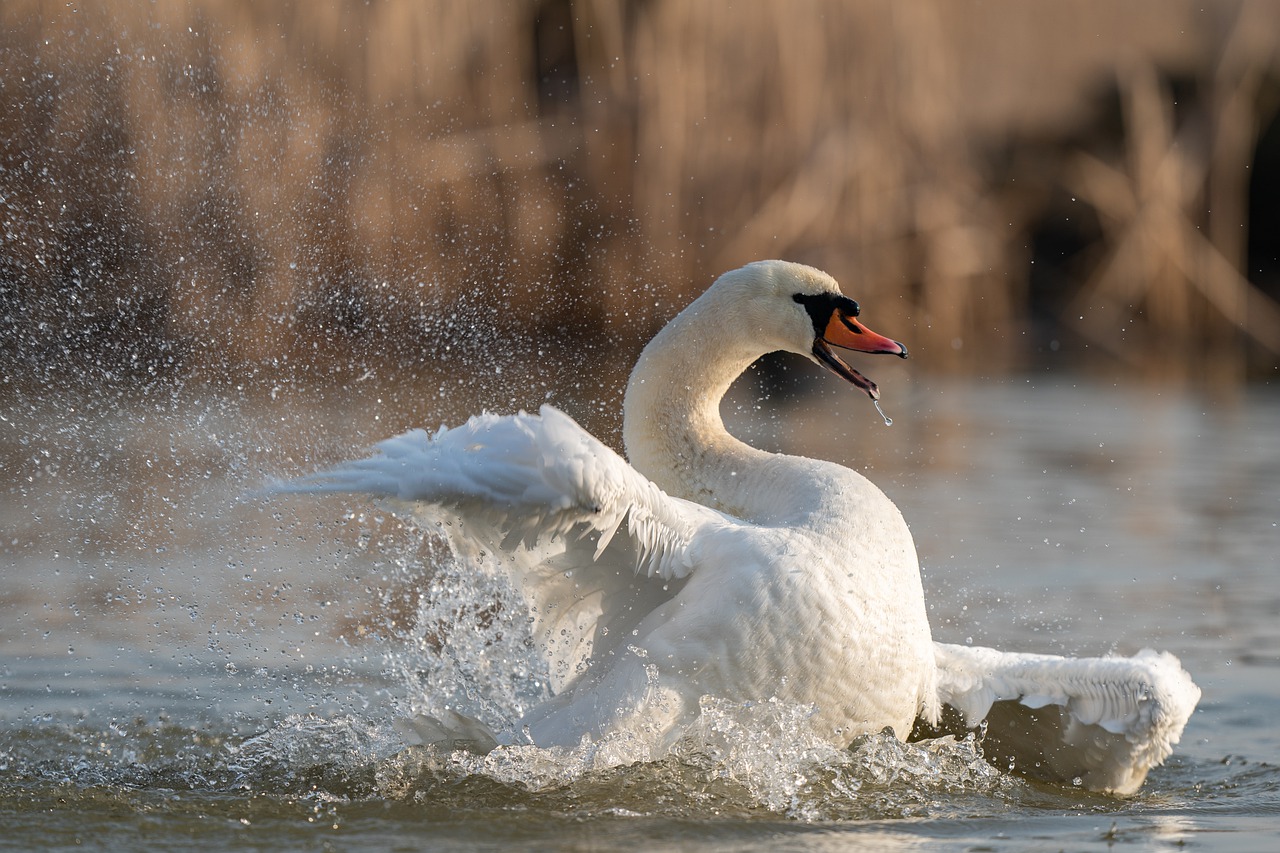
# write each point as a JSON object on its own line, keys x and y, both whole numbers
{"x": 888, "y": 421}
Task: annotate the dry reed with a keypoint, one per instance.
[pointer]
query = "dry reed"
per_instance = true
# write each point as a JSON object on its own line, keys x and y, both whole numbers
{"x": 221, "y": 182}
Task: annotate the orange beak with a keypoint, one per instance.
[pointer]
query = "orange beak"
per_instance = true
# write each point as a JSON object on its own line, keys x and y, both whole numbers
{"x": 847, "y": 333}
{"x": 844, "y": 331}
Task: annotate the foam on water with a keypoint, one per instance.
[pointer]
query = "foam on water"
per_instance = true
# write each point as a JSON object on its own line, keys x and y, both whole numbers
{"x": 741, "y": 759}
{"x": 738, "y": 758}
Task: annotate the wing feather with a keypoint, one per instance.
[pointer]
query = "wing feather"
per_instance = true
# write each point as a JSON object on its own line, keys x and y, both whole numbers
{"x": 1102, "y": 721}
{"x": 576, "y": 525}
{"x": 533, "y": 478}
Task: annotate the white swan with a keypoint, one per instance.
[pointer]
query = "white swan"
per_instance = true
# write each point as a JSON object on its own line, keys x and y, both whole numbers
{"x": 708, "y": 567}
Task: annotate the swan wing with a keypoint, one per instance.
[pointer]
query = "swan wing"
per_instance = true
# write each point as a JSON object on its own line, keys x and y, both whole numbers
{"x": 531, "y": 477}
{"x": 579, "y": 530}
{"x": 1099, "y": 722}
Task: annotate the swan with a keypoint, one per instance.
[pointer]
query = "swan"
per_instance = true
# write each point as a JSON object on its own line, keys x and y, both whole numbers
{"x": 707, "y": 567}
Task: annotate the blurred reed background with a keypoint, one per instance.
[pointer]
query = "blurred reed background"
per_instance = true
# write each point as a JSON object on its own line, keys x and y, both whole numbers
{"x": 206, "y": 187}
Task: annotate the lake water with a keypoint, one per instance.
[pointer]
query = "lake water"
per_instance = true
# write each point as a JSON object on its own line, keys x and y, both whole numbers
{"x": 186, "y": 665}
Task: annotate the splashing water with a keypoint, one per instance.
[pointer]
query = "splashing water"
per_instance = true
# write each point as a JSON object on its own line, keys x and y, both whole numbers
{"x": 738, "y": 758}
{"x": 471, "y": 652}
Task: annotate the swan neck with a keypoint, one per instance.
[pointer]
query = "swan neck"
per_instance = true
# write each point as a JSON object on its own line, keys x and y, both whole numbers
{"x": 672, "y": 426}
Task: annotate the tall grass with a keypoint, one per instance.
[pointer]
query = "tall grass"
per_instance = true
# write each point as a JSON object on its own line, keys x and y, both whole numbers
{"x": 205, "y": 184}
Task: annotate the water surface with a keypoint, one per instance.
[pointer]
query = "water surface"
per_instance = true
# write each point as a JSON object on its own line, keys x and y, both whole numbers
{"x": 184, "y": 664}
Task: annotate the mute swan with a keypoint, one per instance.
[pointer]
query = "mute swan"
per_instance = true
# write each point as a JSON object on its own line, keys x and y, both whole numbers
{"x": 708, "y": 567}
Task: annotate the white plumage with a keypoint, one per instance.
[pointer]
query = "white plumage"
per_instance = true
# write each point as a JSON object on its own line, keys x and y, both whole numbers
{"x": 707, "y": 567}
{"x": 1098, "y": 722}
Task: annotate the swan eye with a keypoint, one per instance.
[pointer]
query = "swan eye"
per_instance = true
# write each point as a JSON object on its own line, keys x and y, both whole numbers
{"x": 821, "y": 307}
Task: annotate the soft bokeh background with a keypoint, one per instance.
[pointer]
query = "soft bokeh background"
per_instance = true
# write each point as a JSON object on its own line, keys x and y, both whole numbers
{"x": 205, "y": 187}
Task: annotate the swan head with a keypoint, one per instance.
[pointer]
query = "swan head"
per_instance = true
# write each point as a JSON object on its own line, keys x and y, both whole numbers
{"x": 800, "y": 309}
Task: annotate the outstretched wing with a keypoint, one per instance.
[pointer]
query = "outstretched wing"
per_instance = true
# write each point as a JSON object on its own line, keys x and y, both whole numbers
{"x": 571, "y": 520}
{"x": 1098, "y": 722}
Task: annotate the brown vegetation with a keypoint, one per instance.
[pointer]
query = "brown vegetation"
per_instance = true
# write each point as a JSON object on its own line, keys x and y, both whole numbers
{"x": 203, "y": 184}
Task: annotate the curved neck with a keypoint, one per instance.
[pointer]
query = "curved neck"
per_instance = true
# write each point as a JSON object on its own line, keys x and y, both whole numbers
{"x": 672, "y": 427}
